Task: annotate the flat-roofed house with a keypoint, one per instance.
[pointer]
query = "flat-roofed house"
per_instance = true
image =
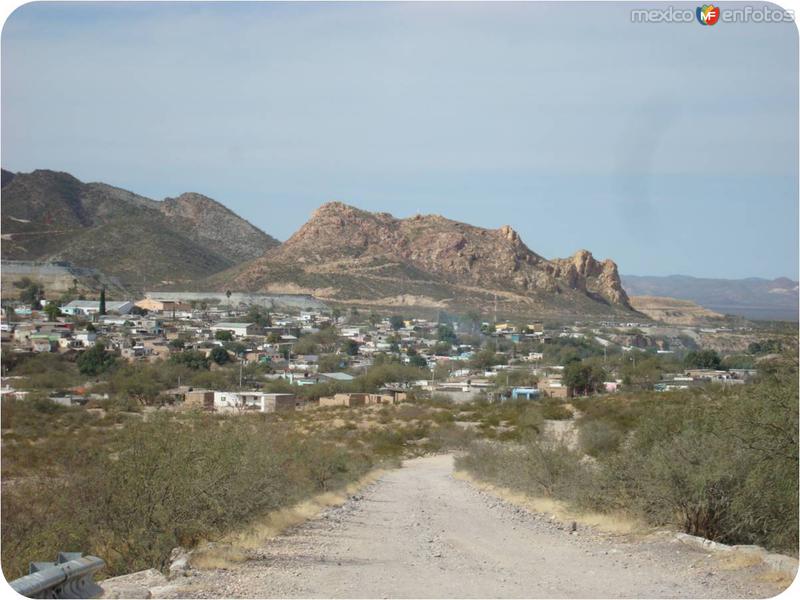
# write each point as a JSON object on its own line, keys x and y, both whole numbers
{"x": 237, "y": 329}
{"x": 203, "y": 399}
{"x": 155, "y": 305}
{"x": 553, "y": 387}
{"x": 349, "y": 400}
{"x": 92, "y": 307}
{"x": 249, "y": 401}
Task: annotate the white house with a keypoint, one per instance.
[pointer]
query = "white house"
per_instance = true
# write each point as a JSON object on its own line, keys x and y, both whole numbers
{"x": 237, "y": 329}
{"x": 86, "y": 338}
{"x": 253, "y": 401}
{"x": 92, "y": 307}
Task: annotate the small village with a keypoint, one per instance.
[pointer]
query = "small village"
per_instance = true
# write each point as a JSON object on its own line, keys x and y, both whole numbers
{"x": 290, "y": 358}
{"x": 399, "y": 300}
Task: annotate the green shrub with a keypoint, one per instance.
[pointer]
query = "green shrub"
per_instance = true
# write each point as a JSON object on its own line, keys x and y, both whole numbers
{"x": 555, "y": 411}
{"x": 717, "y": 462}
{"x": 95, "y": 360}
{"x": 599, "y": 437}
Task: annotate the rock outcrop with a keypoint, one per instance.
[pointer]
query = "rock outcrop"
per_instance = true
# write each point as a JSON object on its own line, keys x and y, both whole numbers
{"x": 355, "y": 254}
{"x": 599, "y": 277}
{"x": 209, "y": 222}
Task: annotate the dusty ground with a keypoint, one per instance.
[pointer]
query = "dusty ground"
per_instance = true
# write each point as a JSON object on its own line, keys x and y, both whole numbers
{"x": 420, "y": 532}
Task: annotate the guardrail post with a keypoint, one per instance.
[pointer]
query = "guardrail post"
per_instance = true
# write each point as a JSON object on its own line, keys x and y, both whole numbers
{"x": 70, "y": 576}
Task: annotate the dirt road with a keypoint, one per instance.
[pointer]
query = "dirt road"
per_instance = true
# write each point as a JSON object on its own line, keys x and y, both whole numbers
{"x": 419, "y": 532}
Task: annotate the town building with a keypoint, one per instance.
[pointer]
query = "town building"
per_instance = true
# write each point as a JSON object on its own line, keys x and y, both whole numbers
{"x": 92, "y": 307}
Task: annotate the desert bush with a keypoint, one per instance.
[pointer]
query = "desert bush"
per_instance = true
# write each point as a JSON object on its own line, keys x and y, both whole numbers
{"x": 555, "y": 411}
{"x": 45, "y": 371}
{"x": 132, "y": 494}
{"x": 718, "y": 462}
{"x": 530, "y": 420}
{"x": 449, "y": 437}
{"x": 538, "y": 467}
{"x": 599, "y": 437}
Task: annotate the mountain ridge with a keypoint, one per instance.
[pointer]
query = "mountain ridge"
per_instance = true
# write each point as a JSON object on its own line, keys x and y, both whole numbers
{"x": 51, "y": 215}
{"x": 341, "y": 254}
{"x": 346, "y": 254}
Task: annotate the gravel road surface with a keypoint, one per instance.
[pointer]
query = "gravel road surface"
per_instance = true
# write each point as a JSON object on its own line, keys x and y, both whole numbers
{"x": 418, "y": 532}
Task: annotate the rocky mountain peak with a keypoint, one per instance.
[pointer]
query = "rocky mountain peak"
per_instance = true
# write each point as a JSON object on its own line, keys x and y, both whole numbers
{"x": 357, "y": 248}
{"x": 508, "y": 233}
{"x": 599, "y": 277}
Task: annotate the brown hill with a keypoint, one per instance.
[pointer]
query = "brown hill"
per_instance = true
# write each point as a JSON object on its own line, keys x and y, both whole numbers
{"x": 353, "y": 256}
{"x": 49, "y": 215}
{"x": 673, "y": 311}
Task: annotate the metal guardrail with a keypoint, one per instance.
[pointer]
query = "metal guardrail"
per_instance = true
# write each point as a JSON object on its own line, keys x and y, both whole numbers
{"x": 71, "y": 576}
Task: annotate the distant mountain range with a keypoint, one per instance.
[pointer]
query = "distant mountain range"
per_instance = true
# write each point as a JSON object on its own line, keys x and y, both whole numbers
{"x": 341, "y": 254}
{"x": 52, "y": 216}
{"x": 753, "y": 298}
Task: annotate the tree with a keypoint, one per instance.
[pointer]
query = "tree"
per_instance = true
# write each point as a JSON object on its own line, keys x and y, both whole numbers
{"x": 53, "y": 312}
{"x": 643, "y": 374}
{"x": 259, "y": 315}
{"x": 703, "y": 359}
{"x": 177, "y": 344}
{"x": 329, "y": 363}
{"x": 273, "y": 338}
{"x": 219, "y": 355}
{"x": 223, "y": 335}
{"x": 192, "y": 359}
{"x": 442, "y": 349}
{"x": 138, "y": 382}
{"x": 31, "y": 292}
{"x": 765, "y": 347}
{"x": 417, "y": 360}
{"x": 447, "y": 334}
{"x": 396, "y": 321}
{"x": 441, "y": 371}
{"x": 350, "y": 347}
{"x": 237, "y": 348}
{"x": 10, "y": 313}
{"x": 102, "y": 309}
{"x": 486, "y": 358}
{"x": 584, "y": 378}
{"x": 95, "y": 360}
{"x": 336, "y": 313}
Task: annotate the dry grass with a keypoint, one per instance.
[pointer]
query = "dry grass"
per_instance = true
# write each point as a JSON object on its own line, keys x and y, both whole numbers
{"x": 779, "y": 579}
{"x": 234, "y": 547}
{"x": 561, "y": 511}
{"x": 733, "y": 561}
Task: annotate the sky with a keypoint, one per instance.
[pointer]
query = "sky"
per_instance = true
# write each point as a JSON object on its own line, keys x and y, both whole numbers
{"x": 671, "y": 148}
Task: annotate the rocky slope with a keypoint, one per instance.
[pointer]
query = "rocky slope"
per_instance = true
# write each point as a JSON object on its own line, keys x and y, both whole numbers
{"x": 673, "y": 311}
{"x": 350, "y": 255}
{"x": 209, "y": 223}
{"x": 49, "y": 215}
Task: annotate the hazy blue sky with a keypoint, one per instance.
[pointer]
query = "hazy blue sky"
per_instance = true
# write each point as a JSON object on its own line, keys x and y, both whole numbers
{"x": 671, "y": 148}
